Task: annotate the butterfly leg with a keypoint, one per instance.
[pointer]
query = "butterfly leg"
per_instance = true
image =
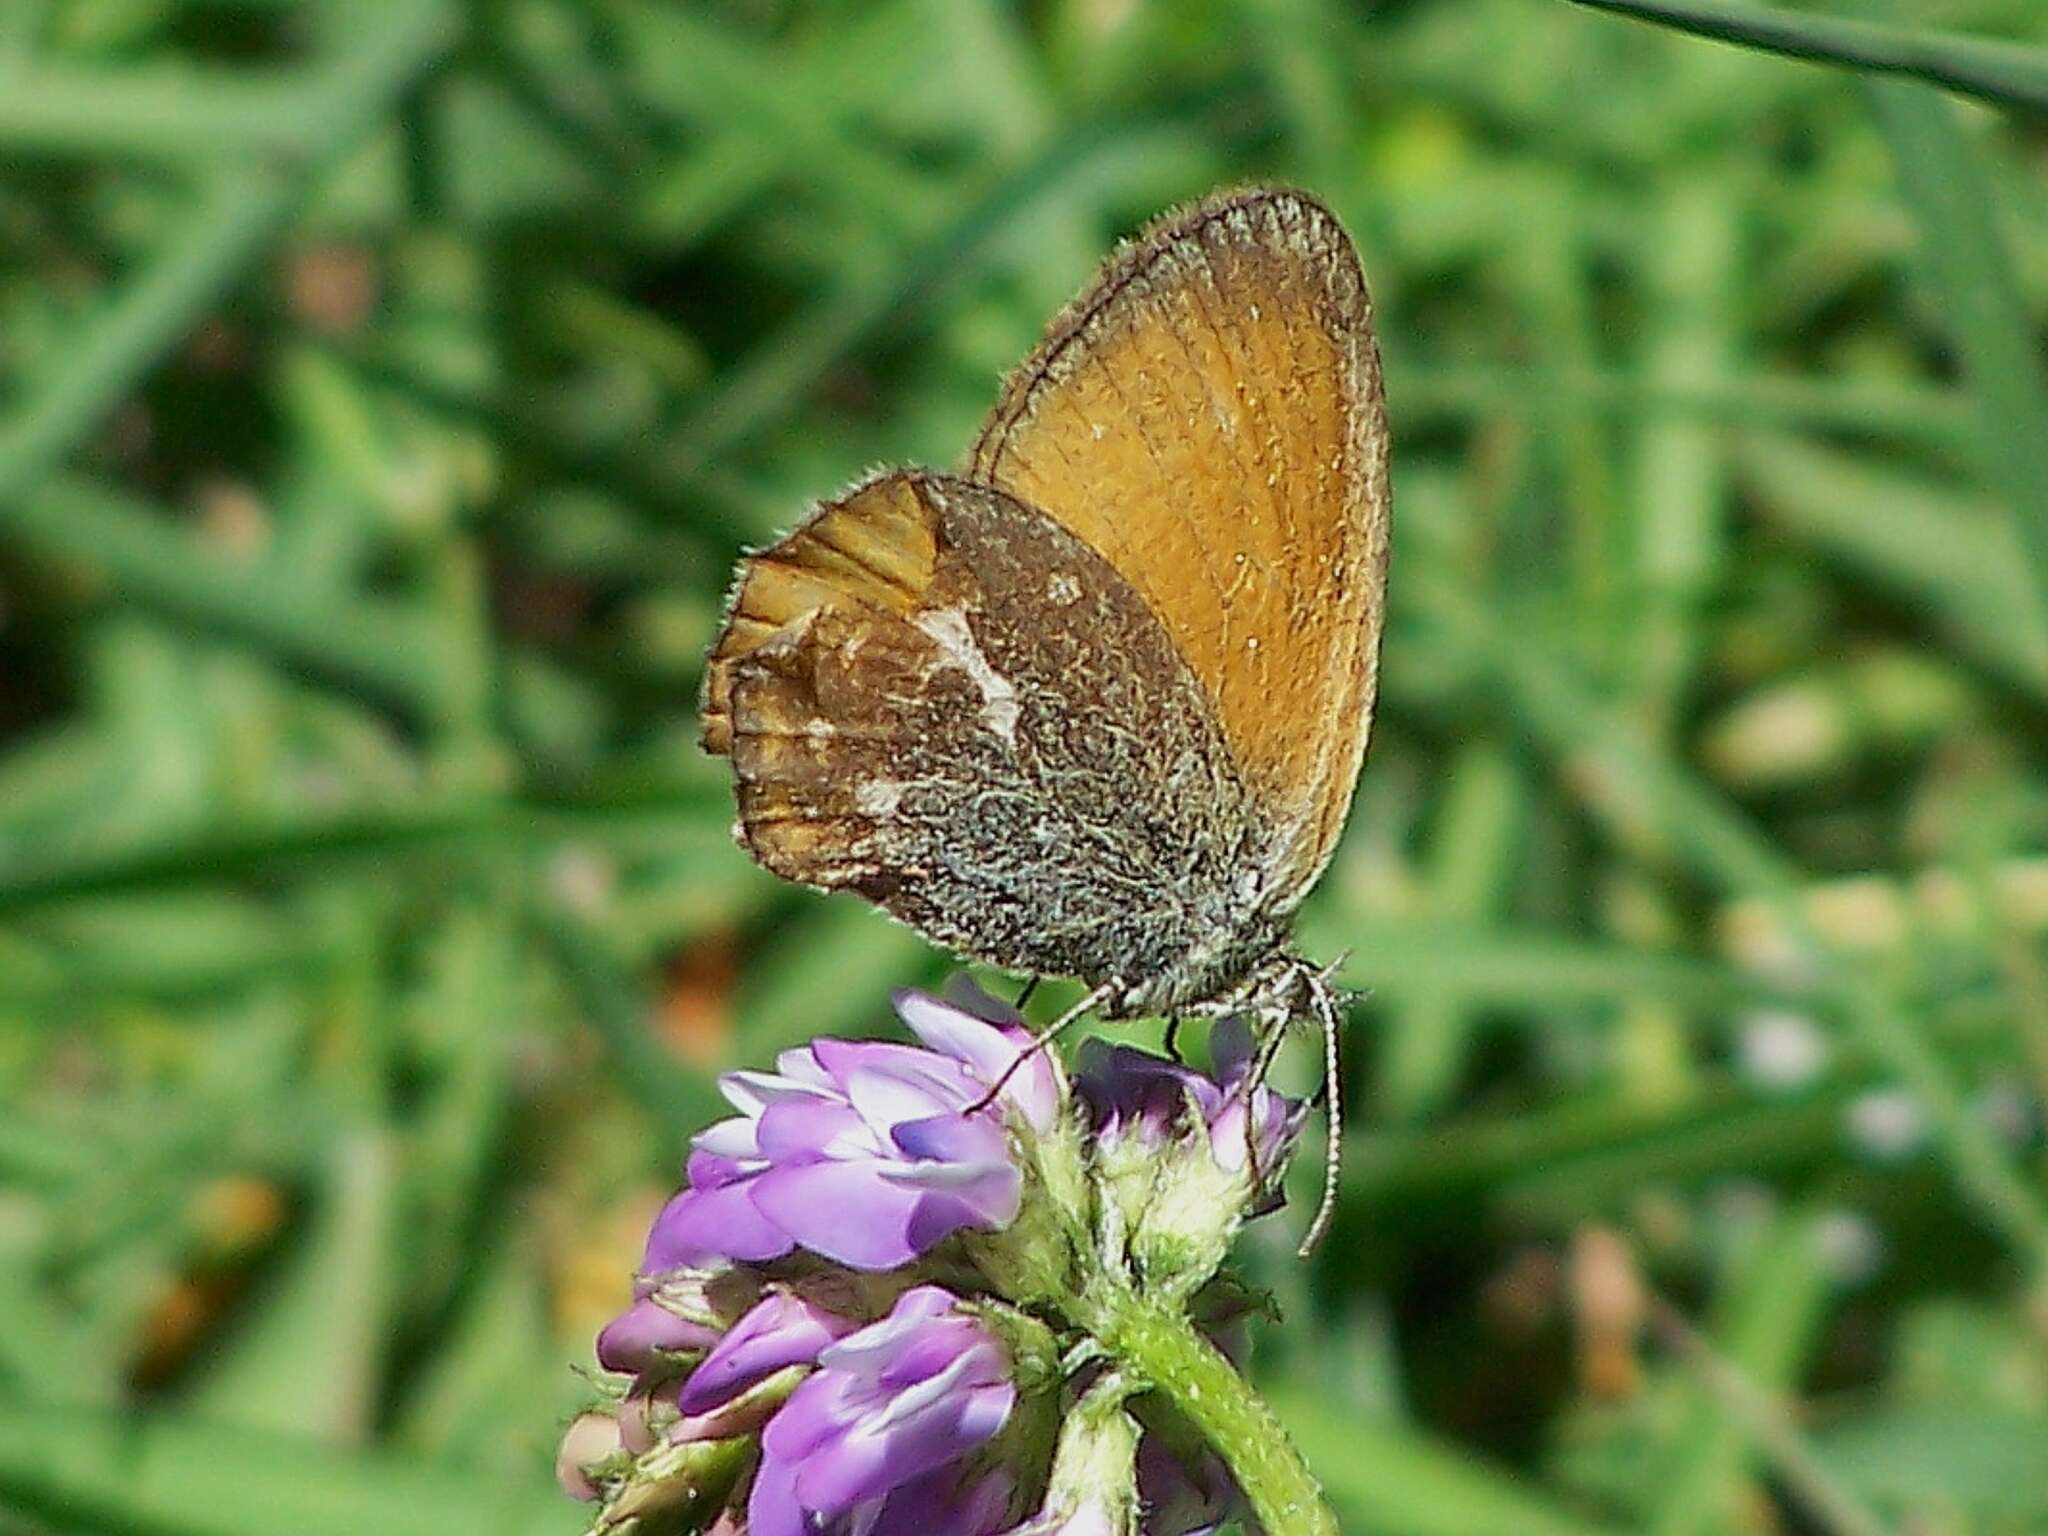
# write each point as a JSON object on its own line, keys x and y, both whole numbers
{"x": 1045, "y": 1037}
{"x": 1254, "y": 1080}
{"x": 1173, "y": 1039}
{"x": 1024, "y": 997}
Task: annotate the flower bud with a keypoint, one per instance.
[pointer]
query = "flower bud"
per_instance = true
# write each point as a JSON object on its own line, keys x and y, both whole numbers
{"x": 1094, "y": 1486}
{"x": 591, "y": 1453}
{"x": 1185, "y": 1156}
{"x": 648, "y": 1335}
{"x": 674, "y": 1490}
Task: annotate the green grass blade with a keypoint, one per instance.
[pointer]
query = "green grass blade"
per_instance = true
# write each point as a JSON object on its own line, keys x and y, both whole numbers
{"x": 310, "y": 1361}
{"x": 678, "y": 1099}
{"x": 829, "y": 973}
{"x": 1490, "y": 967}
{"x": 393, "y": 652}
{"x": 2007, "y": 73}
{"x": 679, "y": 825}
{"x": 172, "y": 1476}
{"x": 1900, "y": 410}
{"x": 1428, "y": 1041}
{"x": 764, "y": 386}
{"x": 1648, "y": 798}
{"x": 239, "y": 212}
{"x": 1994, "y": 331}
{"x": 1395, "y": 1482}
{"x": 1559, "y": 1164}
{"x": 175, "y": 114}
{"x": 1774, "y": 1309}
{"x": 1954, "y": 558}
{"x": 232, "y": 220}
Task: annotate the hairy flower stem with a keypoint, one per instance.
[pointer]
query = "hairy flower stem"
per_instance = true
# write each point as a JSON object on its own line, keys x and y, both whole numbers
{"x": 1155, "y": 1341}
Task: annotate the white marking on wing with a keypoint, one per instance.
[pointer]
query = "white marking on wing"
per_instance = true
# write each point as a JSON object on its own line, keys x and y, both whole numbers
{"x": 999, "y": 707}
{"x": 878, "y": 797}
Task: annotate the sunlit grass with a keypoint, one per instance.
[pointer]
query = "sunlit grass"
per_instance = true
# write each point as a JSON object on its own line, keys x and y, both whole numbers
{"x": 384, "y": 395}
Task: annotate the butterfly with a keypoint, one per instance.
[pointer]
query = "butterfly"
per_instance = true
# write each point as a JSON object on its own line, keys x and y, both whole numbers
{"x": 1095, "y": 705}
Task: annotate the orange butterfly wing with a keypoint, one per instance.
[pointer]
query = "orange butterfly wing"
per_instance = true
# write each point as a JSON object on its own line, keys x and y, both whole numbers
{"x": 1209, "y": 418}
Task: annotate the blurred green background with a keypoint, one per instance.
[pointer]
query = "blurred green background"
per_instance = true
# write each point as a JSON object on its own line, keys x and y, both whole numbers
{"x": 385, "y": 392}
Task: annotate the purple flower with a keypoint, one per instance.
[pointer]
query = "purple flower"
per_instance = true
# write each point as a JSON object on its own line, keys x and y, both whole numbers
{"x": 781, "y": 1331}
{"x": 649, "y": 1335}
{"x": 674, "y": 1321}
{"x": 750, "y": 1376}
{"x": 873, "y": 1441}
{"x": 1135, "y": 1093}
{"x": 1183, "y": 1502}
{"x": 865, "y": 1151}
{"x": 697, "y": 1341}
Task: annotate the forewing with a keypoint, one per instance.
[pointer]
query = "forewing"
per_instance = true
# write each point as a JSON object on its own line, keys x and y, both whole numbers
{"x": 1208, "y": 417}
{"x": 937, "y": 697}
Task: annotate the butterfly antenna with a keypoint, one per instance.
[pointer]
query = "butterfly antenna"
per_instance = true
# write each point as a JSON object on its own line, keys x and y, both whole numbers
{"x": 1043, "y": 1038}
{"x": 1333, "y": 1107}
